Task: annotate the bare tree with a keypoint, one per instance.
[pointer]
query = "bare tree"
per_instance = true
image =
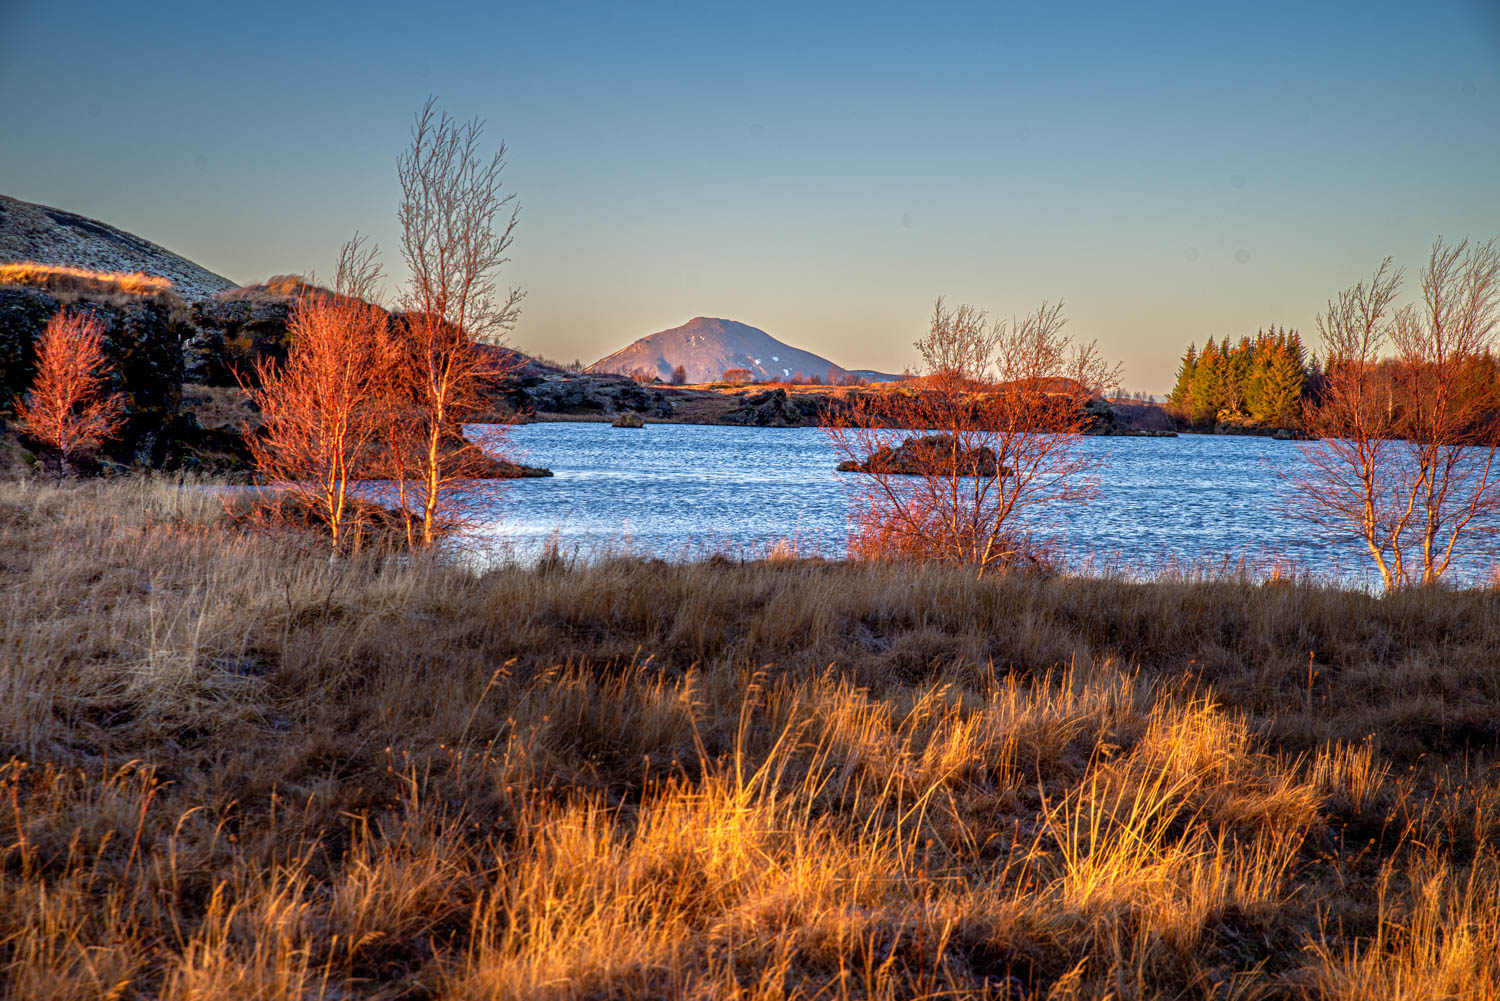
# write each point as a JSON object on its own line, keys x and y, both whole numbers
{"x": 989, "y": 430}
{"x": 1406, "y": 449}
{"x": 959, "y": 346}
{"x": 457, "y": 224}
{"x": 358, "y": 272}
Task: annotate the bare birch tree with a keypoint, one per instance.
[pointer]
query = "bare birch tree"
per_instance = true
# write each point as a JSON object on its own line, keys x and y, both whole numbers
{"x": 457, "y": 224}
{"x": 358, "y": 271}
{"x": 1404, "y": 459}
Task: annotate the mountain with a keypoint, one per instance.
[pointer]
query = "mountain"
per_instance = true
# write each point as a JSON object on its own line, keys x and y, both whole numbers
{"x": 45, "y": 235}
{"x": 706, "y": 346}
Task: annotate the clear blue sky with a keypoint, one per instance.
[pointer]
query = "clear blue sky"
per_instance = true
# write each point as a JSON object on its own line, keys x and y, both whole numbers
{"x": 1173, "y": 171}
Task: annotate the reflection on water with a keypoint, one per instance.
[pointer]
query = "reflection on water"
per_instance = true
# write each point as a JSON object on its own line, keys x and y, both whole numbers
{"x": 679, "y": 491}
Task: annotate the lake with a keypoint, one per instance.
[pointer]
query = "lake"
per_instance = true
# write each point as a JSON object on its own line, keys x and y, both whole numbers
{"x": 683, "y": 491}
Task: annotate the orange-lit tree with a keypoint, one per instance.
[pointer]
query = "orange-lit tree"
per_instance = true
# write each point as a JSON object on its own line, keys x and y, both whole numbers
{"x": 326, "y": 410}
{"x": 68, "y": 406}
{"x": 457, "y": 224}
{"x": 1405, "y": 456}
{"x": 948, "y": 465}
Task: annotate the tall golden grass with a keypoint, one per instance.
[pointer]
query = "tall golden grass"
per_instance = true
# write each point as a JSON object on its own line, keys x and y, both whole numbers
{"x": 239, "y": 770}
{"x": 81, "y": 282}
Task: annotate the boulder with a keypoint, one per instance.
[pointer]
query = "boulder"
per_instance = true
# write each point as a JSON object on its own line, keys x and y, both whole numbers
{"x": 928, "y": 455}
{"x": 1101, "y": 417}
{"x": 629, "y": 420}
{"x": 185, "y": 444}
{"x": 495, "y": 468}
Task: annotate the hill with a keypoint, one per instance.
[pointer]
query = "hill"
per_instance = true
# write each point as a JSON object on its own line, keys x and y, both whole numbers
{"x": 706, "y": 346}
{"x": 44, "y": 235}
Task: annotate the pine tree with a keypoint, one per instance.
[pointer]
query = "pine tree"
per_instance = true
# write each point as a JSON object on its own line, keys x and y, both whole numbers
{"x": 1239, "y": 363}
{"x": 1282, "y": 394}
{"x": 1206, "y": 388}
{"x": 1266, "y": 347}
{"x": 1178, "y": 398}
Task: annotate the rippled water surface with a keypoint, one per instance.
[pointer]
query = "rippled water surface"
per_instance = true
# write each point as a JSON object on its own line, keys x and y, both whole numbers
{"x": 678, "y": 491}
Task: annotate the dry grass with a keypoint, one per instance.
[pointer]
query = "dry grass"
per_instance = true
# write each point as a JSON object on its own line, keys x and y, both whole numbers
{"x": 275, "y": 289}
{"x": 69, "y": 285}
{"x": 242, "y": 771}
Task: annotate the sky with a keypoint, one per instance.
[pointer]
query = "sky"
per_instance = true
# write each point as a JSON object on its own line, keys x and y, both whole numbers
{"x": 1170, "y": 171}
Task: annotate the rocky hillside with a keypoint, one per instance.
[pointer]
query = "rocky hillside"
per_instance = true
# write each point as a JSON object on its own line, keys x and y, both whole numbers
{"x": 706, "y": 346}
{"x": 45, "y": 235}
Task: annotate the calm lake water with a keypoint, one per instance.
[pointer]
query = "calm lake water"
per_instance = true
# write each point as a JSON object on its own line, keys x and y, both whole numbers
{"x": 680, "y": 491}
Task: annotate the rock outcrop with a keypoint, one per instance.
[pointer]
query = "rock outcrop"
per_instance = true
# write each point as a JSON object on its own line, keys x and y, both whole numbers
{"x": 556, "y": 391}
{"x": 927, "y": 455}
{"x": 23, "y": 314}
{"x": 494, "y": 468}
{"x": 231, "y": 332}
{"x": 775, "y": 408}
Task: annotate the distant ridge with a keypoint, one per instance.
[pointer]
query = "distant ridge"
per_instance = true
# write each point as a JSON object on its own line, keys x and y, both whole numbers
{"x": 30, "y": 232}
{"x": 706, "y": 346}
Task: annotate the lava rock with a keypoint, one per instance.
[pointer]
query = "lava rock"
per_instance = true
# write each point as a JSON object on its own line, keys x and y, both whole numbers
{"x": 231, "y": 333}
{"x": 772, "y": 408}
{"x": 23, "y": 314}
{"x": 928, "y": 455}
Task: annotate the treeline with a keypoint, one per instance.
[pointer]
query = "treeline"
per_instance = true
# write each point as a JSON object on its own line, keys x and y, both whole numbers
{"x": 1260, "y": 379}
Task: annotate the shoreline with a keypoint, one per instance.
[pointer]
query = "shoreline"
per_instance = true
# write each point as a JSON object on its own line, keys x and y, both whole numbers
{"x": 557, "y": 418}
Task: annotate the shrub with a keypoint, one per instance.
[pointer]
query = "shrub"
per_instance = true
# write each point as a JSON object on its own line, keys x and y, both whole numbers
{"x": 69, "y": 406}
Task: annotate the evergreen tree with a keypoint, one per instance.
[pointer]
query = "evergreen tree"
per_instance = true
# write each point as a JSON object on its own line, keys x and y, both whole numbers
{"x": 1265, "y": 348}
{"x": 1239, "y": 369}
{"x": 1283, "y": 381}
{"x": 1261, "y": 378}
{"x": 1178, "y": 397}
{"x": 1204, "y": 393}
